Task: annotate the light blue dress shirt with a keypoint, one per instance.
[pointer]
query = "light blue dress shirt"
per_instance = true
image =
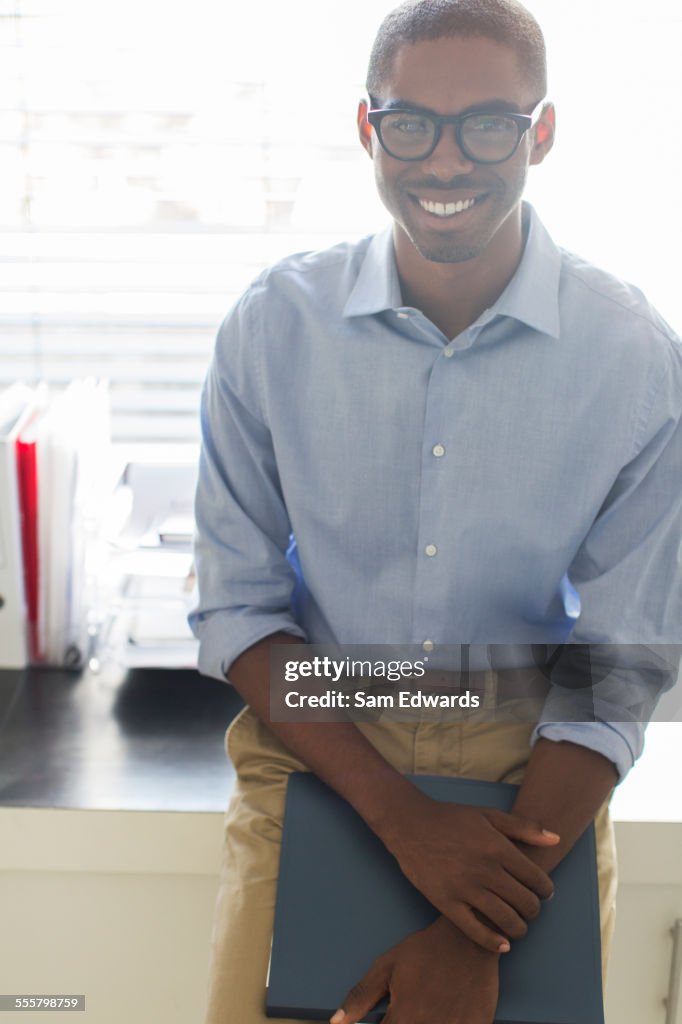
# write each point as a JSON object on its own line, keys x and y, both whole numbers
{"x": 518, "y": 484}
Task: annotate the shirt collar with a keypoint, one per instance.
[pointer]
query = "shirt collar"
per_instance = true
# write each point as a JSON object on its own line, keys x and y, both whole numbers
{"x": 532, "y": 295}
{"x": 377, "y": 286}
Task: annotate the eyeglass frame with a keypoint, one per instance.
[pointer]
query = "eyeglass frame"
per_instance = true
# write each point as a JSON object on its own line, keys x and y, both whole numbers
{"x": 524, "y": 122}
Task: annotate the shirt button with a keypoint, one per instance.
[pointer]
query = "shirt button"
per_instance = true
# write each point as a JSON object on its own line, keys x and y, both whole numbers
{"x": 438, "y": 450}
{"x": 427, "y": 645}
{"x": 448, "y": 353}
{"x": 431, "y": 550}
{"x": 403, "y": 316}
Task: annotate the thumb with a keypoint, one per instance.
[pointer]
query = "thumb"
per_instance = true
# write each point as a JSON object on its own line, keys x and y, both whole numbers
{"x": 365, "y": 995}
{"x": 526, "y": 831}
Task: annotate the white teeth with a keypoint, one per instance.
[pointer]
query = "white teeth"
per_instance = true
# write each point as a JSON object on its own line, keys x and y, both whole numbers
{"x": 446, "y": 209}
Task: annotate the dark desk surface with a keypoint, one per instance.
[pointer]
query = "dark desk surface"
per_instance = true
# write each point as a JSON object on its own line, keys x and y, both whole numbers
{"x": 147, "y": 740}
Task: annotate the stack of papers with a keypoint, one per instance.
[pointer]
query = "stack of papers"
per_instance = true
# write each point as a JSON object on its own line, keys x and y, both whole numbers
{"x": 151, "y": 628}
{"x": 156, "y": 591}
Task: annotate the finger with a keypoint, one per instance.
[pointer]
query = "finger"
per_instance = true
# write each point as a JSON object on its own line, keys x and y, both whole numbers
{"x": 519, "y": 897}
{"x": 485, "y": 937}
{"x": 522, "y": 829}
{"x": 363, "y": 996}
{"x": 501, "y": 915}
{"x": 527, "y": 873}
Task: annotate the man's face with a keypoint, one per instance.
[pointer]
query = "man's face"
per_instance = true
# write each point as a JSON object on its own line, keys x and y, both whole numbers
{"x": 453, "y": 76}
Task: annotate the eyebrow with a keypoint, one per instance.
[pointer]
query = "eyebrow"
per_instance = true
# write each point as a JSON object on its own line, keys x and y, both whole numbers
{"x": 487, "y": 107}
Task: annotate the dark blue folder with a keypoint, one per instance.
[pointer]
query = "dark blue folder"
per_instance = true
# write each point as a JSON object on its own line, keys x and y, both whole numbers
{"x": 342, "y": 900}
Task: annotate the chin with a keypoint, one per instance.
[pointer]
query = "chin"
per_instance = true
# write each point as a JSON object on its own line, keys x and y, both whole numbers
{"x": 447, "y": 253}
{"x": 445, "y": 250}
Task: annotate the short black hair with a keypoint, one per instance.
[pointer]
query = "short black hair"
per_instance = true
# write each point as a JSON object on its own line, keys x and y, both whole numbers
{"x": 504, "y": 21}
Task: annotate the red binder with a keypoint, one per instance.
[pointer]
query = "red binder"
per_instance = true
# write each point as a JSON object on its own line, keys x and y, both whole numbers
{"x": 27, "y": 469}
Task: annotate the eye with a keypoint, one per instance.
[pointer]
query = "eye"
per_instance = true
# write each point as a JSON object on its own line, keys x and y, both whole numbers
{"x": 407, "y": 124}
{"x": 490, "y": 124}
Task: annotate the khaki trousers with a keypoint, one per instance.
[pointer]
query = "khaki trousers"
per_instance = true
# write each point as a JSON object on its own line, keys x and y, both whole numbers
{"x": 246, "y": 899}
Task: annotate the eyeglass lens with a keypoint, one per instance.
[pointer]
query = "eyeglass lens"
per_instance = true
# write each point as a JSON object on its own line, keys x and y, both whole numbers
{"x": 484, "y": 137}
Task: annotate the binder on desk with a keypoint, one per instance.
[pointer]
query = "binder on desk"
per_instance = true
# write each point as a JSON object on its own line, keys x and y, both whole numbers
{"x": 17, "y": 405}
{"x": 59, "y": 453}
{"x": 52, "y": 478}
{"x": 342, "y": 901}
{"x": 27, "y": 464}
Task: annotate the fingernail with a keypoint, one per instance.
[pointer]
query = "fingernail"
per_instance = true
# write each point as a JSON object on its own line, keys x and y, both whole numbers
{"x": 338, "y": 1017}
{"x": 552, "y": 835}
{"x": 503, "y": 947}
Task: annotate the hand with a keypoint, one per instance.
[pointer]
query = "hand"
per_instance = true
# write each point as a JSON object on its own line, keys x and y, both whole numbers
{"x": 465, "y": 863}
{"x": 436, "y": 976}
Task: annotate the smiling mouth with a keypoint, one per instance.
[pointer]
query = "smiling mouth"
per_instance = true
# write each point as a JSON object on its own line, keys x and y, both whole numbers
{"x": 447, "y": 209}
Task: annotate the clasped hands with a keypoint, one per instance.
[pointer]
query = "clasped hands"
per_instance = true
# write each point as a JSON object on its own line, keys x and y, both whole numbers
{"x": 464, "y": 860}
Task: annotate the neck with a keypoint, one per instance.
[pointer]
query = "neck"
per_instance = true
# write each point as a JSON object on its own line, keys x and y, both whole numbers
{"x": 453, "y": 295}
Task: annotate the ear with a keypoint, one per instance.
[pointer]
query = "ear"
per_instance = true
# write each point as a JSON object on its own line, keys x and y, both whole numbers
{"x": 364, "y": 128}
{"x": 543, "y": 134}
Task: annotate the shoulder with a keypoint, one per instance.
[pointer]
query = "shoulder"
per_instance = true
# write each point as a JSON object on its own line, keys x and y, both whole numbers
{"x": 305, "y": 278}
{"x": 618, "y": 310}
{"x": 300, "y": 296}
{"x": 634, "y": 355}
{"x": 621, "y": 355}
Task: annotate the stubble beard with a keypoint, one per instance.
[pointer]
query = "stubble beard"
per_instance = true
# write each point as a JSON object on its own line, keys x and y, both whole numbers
{"x": 446, "y": 252}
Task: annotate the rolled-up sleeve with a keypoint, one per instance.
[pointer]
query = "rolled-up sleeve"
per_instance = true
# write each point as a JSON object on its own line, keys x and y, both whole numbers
{"x": 603, "y": 695}
{"x": 624, "y": 649}
{"x": 242, "y": 526}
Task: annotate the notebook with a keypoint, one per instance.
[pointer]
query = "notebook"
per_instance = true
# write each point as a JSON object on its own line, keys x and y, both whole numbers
{"x": 342, "y": 900}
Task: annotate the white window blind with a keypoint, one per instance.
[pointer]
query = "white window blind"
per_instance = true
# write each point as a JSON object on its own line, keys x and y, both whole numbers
{"x": 154, "y": 160}
{"x": 155, "y": 156}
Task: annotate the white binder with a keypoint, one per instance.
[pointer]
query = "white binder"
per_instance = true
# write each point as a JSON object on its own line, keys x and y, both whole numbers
{"x": 72, "y": 443}
{"x": 17, "y": 404}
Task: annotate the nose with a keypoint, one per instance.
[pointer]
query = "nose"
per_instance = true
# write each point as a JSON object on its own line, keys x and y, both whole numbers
{"x": 447, "y": 159}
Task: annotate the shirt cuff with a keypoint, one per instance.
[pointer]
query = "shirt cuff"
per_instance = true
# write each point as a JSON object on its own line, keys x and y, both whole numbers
{"x": 620, "y": 742}
{"x": 223, "y": 636}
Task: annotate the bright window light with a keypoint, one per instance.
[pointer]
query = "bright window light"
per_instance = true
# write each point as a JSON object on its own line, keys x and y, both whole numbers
{"x": 157, "y": 155}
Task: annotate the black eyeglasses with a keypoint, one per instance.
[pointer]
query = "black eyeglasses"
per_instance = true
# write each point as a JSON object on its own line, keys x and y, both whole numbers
{"x": 483, "y": 138}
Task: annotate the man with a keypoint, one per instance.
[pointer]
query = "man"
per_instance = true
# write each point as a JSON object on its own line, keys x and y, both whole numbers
{"x": 474, "y": 439}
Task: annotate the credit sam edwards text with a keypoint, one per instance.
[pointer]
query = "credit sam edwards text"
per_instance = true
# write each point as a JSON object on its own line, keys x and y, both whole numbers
{"x": 361, "y": 699}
